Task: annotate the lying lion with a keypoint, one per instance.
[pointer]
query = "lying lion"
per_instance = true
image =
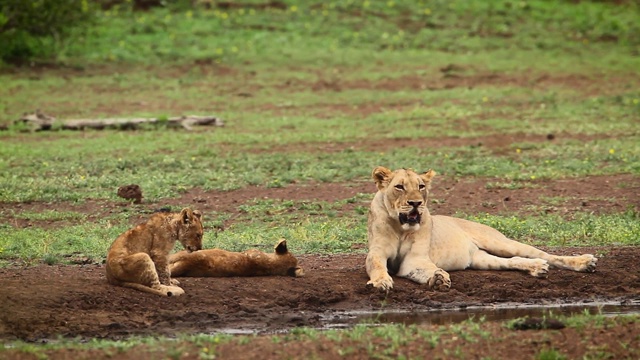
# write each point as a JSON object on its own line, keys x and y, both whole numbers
{"x": 139, "y": 258}
{"x": 221, "y": 263}
{"x": 405, "y": 240}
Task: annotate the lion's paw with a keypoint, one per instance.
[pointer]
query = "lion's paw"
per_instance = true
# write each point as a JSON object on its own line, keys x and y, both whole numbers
{"x": 440, "y": 281}
{"x": 383, "y": 282}
{"x": 587, "y": 263}
{"x": 174, "y": 291}
{"x": 539, "y": 268}
{"x": 175, "y": 282}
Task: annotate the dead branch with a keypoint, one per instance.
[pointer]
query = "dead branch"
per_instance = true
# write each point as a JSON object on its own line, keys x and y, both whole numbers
{"x": 39, "y": 121}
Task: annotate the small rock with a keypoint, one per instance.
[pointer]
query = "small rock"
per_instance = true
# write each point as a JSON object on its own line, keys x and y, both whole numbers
{"x": 131, "y": 192}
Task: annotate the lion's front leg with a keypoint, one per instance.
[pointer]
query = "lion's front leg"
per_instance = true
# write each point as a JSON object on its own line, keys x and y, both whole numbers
{"x": 164, "y": 274}
{"x": 379, "y": 277}
{"x": 425, "y": 272}
{"x": 437, "y": 279}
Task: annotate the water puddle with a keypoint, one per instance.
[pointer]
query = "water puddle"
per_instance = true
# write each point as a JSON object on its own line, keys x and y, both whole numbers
{"x": 501, "y": 312}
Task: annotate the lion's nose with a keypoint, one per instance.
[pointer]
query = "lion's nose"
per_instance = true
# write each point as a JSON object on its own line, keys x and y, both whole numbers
{"x": 192, "y": 248}
{"x": 414, "y": 203}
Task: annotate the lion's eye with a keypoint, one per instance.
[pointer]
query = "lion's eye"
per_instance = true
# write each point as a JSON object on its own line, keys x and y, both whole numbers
{"x": 421, "y": 186}
{"x": 399, "y": 187}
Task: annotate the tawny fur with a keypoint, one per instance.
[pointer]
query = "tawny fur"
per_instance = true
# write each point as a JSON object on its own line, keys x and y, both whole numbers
{"x": 221, "y": 263}
{"x": 405, "y": 240}
{"x": 139, "y": 258}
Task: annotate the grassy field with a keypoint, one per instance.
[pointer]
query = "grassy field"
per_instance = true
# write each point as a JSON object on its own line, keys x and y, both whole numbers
{"x": 404, "y": 70}
{"x": 289, "y": 80}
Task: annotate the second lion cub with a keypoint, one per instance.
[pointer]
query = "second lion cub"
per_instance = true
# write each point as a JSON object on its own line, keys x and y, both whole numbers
{"x": 221, "y": 263}
{"x": 139, "y": 258}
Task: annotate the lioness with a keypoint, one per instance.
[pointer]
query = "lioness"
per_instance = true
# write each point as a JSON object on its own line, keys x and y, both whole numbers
{"x": 406, "y": 240}
{"x": 221, "y": 263}
{"x": 139, "y": 258}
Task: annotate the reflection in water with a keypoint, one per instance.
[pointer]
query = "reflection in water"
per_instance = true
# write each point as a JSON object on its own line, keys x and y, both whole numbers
{"x": 497, "y": 313}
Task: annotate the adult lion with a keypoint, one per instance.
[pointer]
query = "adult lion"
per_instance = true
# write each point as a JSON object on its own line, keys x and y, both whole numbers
{"x": 405, "y": 240}
{"x": 139, "y": 258}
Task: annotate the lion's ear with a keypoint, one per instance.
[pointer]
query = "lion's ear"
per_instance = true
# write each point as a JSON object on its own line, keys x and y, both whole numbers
{"x": 197, "y": 214}
{"x": 281, "y": 247}
{"x": 427, "y": 176}
{"x": 186, "y": 215}
{"x": 381, "y": 176}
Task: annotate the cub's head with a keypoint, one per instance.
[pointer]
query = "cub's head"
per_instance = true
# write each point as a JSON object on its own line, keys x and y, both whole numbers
{"x": 405, "y": 194}
{"x": 287, "y": 264}
{"x": 190, "y": 229}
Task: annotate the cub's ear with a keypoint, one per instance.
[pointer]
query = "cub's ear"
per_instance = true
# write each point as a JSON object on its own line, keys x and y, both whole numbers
{"x": 281, "y": 247}
{"x": 427, "y": 176}
{"x": 381, "y": 176}
{"x": 197, "y": 214}
{"x": 186, "y": 215}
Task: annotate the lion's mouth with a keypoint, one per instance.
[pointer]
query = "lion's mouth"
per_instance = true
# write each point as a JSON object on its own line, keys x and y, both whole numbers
{"x": 411, "y": 218}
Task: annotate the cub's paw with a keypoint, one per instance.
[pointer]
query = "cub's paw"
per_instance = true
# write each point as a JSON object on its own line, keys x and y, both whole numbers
{"x": 587, "y": 263}
{"x": 384, "y": 282}
{"x": 440, "y": 281}
{"x": 173, "y": 290}
{"x": 175, "y": 282}
{"x": 539, "y": 268}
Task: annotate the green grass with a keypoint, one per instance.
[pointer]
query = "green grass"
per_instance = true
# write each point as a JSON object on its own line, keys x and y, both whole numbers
{"x": 164, "y": 62}
{"x": 583, "y": 230}
{"x": 72, "y": 170}
{"x": 310, "y": 228}
{"x": 349, "y": 32}
{"x": 383, "y": 341}
{"x": 49, "y": 215}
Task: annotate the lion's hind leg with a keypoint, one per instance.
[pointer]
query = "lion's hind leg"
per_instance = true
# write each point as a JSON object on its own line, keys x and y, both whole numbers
{"x": 482, "y": 260}
{"x": 496, "y": 243}
{"x": 583, "y": 263}
{"x": 138, "y": 272}
{"x": 178, "y": 268}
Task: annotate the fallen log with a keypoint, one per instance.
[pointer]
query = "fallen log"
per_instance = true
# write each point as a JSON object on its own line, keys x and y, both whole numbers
{"x": 39, "y": 121}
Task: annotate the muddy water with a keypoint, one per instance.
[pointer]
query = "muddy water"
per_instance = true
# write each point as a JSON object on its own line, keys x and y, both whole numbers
{"x": 501, "y": 312}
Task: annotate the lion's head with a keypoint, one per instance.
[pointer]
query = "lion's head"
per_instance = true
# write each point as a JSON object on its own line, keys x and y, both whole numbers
{"x": 405, "y": 194}
{"x": 190, "y": 229}
{"x": 286, "y": 260}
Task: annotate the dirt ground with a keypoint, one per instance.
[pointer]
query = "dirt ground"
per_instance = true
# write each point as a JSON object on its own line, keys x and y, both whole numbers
{"x": 43, "y": 302}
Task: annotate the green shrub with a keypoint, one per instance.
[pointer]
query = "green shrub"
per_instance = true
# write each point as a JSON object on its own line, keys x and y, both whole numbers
{"x": 33, "y": 29}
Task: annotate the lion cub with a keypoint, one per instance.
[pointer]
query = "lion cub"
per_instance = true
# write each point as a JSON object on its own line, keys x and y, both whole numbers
{"x": 139, "y": 258}
{"x": 221, "y": 263}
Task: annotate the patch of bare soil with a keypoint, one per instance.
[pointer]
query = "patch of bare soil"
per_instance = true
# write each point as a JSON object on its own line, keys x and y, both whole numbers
{"x": 495, "y": 143}
{"x": 75, "y": 301}
{"x": 455, "y": 76}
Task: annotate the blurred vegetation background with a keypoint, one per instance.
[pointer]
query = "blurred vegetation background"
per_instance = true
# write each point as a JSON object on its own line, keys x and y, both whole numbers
{"x": 97, "y": 30}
